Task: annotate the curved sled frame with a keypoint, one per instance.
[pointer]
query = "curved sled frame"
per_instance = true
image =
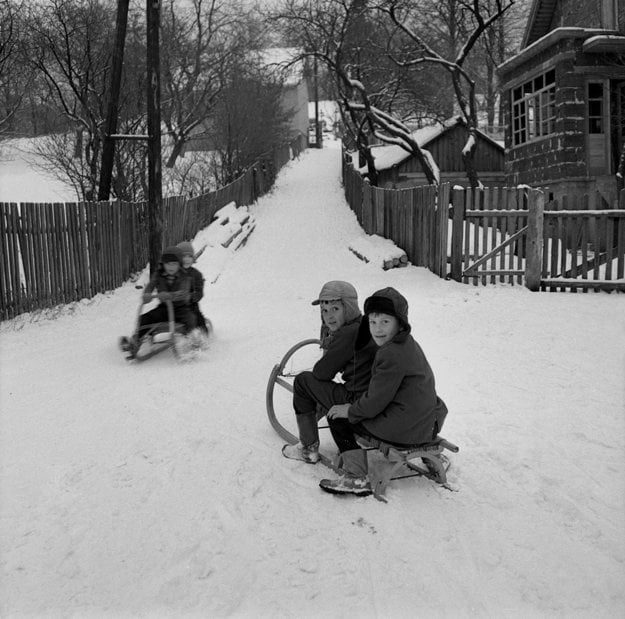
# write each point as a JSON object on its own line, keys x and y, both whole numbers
{"x": 171, "y": 327}
{"x": 277, "y": 377}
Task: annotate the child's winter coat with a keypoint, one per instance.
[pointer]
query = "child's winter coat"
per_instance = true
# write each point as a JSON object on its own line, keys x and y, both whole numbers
{"x": 400, "y": 404}
{"x": 341, "y": 355}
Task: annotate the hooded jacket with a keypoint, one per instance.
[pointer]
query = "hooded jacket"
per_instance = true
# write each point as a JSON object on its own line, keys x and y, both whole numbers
{"x": 341, "y": 353}
{"x": 178, "y": 285}
{"x": 400, "y": 404}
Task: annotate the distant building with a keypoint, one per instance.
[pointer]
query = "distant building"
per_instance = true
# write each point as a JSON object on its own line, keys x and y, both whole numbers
{"x": 329, "y": 118}
{"x": 564, "y": 98}
{"x": 295, "y": 97}
{"x": 397, "y": 168}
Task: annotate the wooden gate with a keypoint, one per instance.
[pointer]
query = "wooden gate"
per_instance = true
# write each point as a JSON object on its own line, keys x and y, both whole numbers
{"x": 489, "y": 234}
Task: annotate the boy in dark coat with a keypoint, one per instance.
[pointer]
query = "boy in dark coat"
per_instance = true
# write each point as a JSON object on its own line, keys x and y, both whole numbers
{"x": 171, "y": 283}
{"x": 197, "y": 284}
{"x": 340, "y": 317}
{"x": 400, "y": 404}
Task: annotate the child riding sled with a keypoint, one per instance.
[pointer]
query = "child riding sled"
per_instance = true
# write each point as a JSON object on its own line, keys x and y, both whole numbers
{"x": 400, "y": 404}
{"x": 316, "y": 389}
{"x": 170, "y": 283}
{"x": 197, "y": 286}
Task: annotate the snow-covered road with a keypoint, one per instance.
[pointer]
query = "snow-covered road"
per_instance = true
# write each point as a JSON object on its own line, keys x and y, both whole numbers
{"x": 159, "y": 489}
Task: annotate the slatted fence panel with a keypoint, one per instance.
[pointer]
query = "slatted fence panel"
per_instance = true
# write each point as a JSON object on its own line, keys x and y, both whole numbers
{"x": 57, "y": 253}
{"x": 583, "y": 249}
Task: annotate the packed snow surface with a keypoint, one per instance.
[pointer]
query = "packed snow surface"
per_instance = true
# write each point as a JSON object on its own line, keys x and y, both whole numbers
{"x": 159, "y": 489}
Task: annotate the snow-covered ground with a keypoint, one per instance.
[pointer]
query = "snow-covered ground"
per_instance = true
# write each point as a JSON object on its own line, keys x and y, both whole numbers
{"x": 22, "y": 181}
{"x": 159, "y": 489}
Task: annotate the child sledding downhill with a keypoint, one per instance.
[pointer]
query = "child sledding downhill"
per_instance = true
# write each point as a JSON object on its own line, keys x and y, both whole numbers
{"x": 313, "y": 390}
{"x": 197, "y": 288}
{"x": 170, "y": 284}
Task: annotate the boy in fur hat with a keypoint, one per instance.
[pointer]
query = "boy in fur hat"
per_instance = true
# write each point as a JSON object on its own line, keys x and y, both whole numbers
{"x": 171, "y": 284}
{"x": 340, "y": 322}
{"x": 197, "y": 284}
{"x": 400, "y": 404}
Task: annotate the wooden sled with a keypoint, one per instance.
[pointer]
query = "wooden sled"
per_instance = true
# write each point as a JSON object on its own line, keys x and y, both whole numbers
{"x": 424, "y": 460}
{"x": 163, "y": 336}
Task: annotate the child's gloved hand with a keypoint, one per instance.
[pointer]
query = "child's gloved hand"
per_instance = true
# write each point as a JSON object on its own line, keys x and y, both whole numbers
{"x": 147, "y": 297}
{"x": 338, "y": 411}
{"x": 164, "y": 296}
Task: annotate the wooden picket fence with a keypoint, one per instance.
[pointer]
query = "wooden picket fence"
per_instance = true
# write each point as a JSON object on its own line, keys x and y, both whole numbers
{"x": 507, "y": 235}
{"x": 583, "y": 244}
{"x": 409, "y": 217}
{"x": 57, "y": 253}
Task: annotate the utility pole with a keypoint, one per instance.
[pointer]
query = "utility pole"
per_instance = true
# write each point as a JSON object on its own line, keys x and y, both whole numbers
{"x": 155, "y": 178}
{"x": 108, "y": 148}
{"x": 318, "y": 132}
{"x": 153, "y": 137}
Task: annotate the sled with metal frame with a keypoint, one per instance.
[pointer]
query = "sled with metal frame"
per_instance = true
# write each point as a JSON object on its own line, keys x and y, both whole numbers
{"x": 402, "y": 458}
{"x": 161, "y": 335}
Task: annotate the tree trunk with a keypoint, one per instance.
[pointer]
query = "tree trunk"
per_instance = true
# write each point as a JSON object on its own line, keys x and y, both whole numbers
{"x": 468, "y": 157}
{"x": 175, "y": 152}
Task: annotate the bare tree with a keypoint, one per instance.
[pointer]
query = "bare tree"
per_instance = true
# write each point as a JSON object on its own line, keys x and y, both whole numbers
{"x": 70, "y": 49}
{"x": 14, "y": 78}
{"x": 200, "y": 45}
{"x": 411, "y": 48}
{"x": 249, "y": 121}
{"x": 347, "y": 39}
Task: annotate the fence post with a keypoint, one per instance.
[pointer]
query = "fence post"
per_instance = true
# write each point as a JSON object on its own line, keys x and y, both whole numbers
{"x": 457, "y": 233}
{"x": 533, "y": 257}
{"x": 442, "y": 228}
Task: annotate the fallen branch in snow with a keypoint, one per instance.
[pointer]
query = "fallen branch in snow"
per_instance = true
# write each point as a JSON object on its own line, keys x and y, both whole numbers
{"x": 379, "y": 251}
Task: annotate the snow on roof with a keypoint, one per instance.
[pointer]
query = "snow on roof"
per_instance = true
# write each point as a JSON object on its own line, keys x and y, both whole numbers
{"x": 386, "y": 156}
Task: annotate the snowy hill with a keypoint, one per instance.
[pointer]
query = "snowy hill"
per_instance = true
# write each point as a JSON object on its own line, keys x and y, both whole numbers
{"x": 159, "y": 489}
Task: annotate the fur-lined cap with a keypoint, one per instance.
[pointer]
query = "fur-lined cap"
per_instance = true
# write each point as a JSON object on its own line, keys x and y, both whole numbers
{"x": 340, "y": 291}
{"x": 388, "y": 301}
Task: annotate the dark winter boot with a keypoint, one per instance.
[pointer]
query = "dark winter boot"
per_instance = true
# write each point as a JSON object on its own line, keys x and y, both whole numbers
{"x": 307, "y": 450}
{"x": 128, "y": 344}
{"x": 354, "y": 479}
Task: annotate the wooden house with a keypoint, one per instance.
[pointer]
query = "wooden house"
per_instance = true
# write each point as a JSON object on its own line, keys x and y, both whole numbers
{"x": 564, "y": 98}
{"x": 444, "y": 141}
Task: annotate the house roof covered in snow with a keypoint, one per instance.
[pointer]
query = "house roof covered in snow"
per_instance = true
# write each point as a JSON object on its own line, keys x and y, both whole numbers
{"x": 386, "y": 156}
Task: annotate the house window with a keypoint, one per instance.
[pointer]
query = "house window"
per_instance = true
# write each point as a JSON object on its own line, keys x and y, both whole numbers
{"x": 596, "y": 102}
{"x": 533, "y": 109}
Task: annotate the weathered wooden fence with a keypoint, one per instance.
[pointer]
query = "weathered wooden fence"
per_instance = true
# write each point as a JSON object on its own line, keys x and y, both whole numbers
{"x": 56, "y": 253}
{"x": 489, "y": 235}
{"x": 584, "y": 246}
{"x": 409, "y": 217}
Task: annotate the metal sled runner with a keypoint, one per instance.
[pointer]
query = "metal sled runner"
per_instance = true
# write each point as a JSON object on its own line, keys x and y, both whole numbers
{"x": 426, "y": 460}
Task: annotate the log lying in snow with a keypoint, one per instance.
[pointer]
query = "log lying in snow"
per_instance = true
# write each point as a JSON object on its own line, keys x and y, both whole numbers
{"x": 379, "y": 251}
{"x": 231, "y": 226}
{"x": 246, "y": 230}
{"x": 222, "y": 216}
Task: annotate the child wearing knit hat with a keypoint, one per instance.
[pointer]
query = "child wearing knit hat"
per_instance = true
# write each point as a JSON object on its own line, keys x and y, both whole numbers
{"x": 168, "y": 283}
{"x": 340, "y": 322}
{"x": 197, "y": 286}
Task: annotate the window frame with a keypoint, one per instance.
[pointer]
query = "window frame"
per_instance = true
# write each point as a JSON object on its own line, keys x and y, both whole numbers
{"x": 533, "y": 115}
